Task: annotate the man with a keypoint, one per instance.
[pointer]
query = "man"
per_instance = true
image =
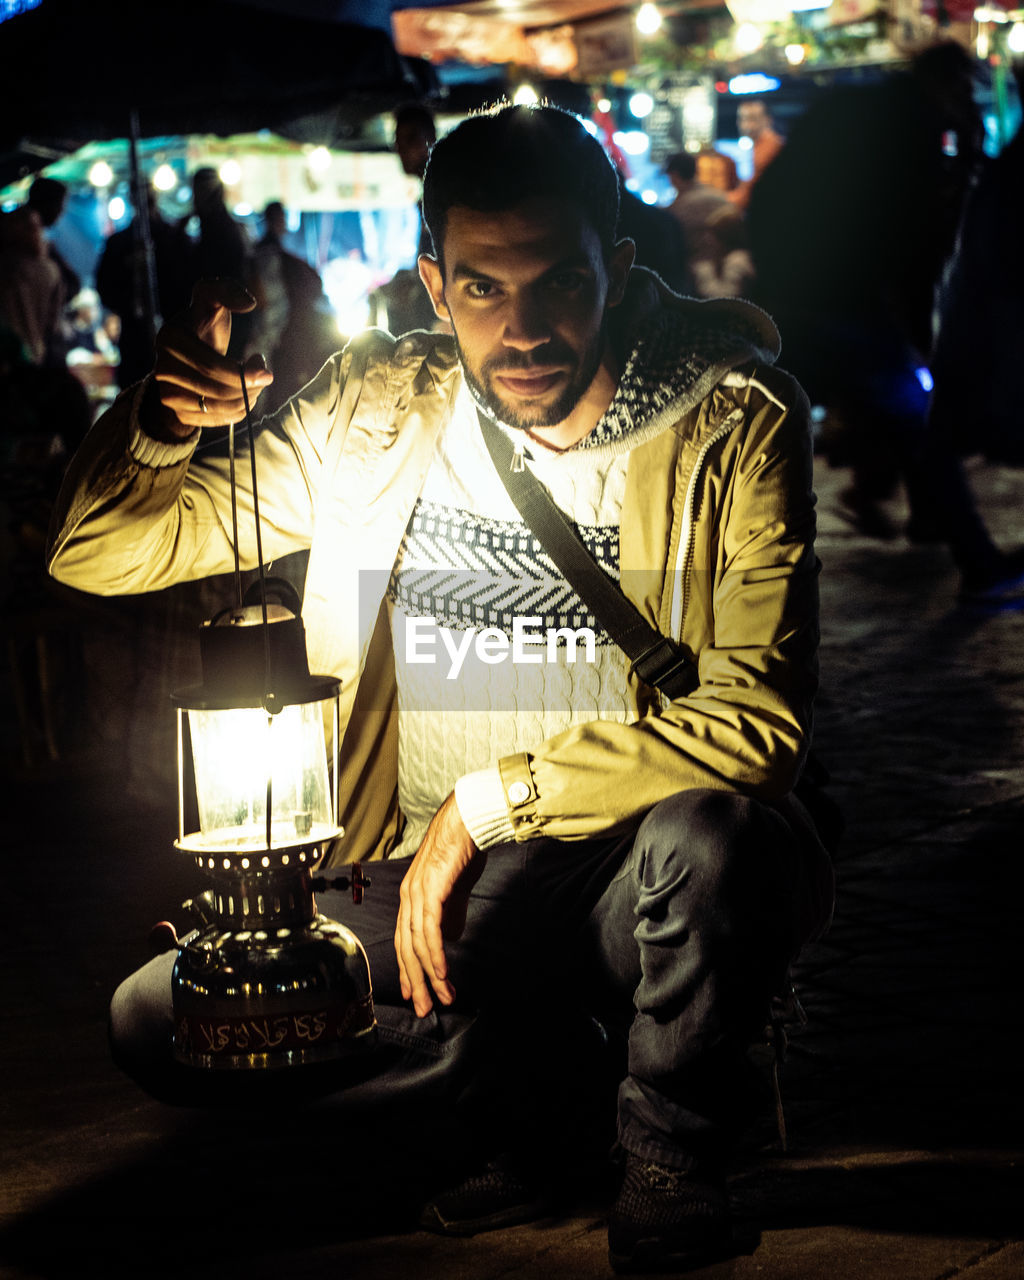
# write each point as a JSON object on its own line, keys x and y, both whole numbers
{"x": 694, "y": 206}
{"x": 120, "y": 282}
{"x": 402, "y": 303}
{"x": 851, "y": 278}
{"x": 716, "y": 169}
{"x": 415, "y": 134}
{"x": 754, "y": 122}
{"x": 571, "y": 833}
{"x": 293, "y": 324}
{"x": 221, "y": 249}
{"x": 31, "y": 295}
{"x": 49, "y": 198}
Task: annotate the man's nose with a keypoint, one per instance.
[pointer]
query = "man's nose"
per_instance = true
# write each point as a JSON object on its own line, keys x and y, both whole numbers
{"x": 526, "y": 324}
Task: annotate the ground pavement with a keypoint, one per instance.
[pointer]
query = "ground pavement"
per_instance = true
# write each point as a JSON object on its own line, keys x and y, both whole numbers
{"x": 905, "y": 1142}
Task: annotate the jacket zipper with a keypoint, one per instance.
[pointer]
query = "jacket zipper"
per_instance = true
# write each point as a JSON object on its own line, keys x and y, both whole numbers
{"x": 684, "y": 554}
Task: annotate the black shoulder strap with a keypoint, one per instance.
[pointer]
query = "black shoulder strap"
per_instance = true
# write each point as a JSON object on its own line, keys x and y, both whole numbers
{"x": 656, "y": 659}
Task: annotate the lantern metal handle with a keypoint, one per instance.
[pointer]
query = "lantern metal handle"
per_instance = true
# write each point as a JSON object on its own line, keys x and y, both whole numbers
{"x": 271, "y": 703}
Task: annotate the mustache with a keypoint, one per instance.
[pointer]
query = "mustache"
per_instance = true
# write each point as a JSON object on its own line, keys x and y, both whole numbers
{"x": 517, "y": 361}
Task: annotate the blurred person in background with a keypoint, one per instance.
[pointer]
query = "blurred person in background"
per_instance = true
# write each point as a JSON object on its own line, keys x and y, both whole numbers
{"x": 754, "y": 121}
{"x": 415, "y": 134}
{"x": 221, "y": 248}
{"x": 693, "y": 206}
{"x": 403, "y": 304}
{"x": 852, "y": 226}
{"x": 121, "y": 285}
{"x": 716, "y": 169}
{"x": 293, "y": 325}
{"x": 975, "y": 403}
{"x": 31, "y": 290}
{"x": 49, "y": 198}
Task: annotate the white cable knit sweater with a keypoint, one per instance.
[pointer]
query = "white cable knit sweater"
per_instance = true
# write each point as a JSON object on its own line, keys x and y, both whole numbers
{"x": 469, "y": 561}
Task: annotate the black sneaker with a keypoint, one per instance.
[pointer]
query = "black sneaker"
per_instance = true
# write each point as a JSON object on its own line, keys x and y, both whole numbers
{"x": 500, "y": 1194}
{"x": 668, "y": 1219}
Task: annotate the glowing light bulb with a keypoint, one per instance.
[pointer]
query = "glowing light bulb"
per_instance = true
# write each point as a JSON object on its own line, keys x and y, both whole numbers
{"x": 230, "y": 172}
{"x": 648, "y": 19}
{"x": 319, "y": 159}
{"x": 116, "y": 209}
{"x": 165, "y": 179}
{"x": 748, "y": 37}
{"x": 1015, "y": 38}
{"x": 795, "y": 54}
{"x": 525, "y": 96}
{"x": 641, "y": 105}
{"x": 101, "y": 174}
{"x": 633, "y": 141}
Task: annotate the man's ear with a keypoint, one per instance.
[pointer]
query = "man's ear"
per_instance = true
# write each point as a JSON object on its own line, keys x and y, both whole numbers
{"x": 433, "y": 282}
{"x": 619, "y": 265}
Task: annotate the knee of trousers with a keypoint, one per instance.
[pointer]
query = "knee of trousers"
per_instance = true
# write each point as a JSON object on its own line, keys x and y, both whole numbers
{"x": 141, "y": 1023}
{"x": 706, "y": 844}
{"x": 713, "y": 878}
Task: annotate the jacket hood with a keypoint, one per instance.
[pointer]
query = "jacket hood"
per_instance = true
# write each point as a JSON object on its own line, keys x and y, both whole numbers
{"x": 672, "y": 352}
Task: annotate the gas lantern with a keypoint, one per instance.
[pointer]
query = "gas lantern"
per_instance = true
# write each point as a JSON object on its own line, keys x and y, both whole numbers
{"x": 265, "y": 980}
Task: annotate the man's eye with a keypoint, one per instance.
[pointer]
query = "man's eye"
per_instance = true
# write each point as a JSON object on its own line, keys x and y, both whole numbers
{"x": 480, "y": 289}
{"x": 566, "y": 281}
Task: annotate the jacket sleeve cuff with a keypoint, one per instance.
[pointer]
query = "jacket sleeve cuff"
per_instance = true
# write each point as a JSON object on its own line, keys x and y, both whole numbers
{"x": 481, "y": 802}
{"x": 155, "y": 453}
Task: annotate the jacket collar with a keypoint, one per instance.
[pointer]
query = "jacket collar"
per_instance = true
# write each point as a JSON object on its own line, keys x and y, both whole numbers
{"x": 672, "y": 351}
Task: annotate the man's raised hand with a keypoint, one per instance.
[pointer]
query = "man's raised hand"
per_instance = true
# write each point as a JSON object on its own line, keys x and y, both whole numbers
{"x": 194, "y": 382}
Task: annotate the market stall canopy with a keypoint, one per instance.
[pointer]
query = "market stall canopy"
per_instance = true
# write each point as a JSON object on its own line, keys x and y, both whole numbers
{"x": 74, "y": 71}
{"x": 543, "y": 35}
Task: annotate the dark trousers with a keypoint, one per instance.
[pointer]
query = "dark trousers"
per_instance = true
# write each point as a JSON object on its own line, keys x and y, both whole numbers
{"x": 674, "y": 936}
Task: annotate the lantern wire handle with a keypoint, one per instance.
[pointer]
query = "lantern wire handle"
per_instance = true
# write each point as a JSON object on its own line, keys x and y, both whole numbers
{"x": 269, "y": 700}
{"x": 234, "y": 513}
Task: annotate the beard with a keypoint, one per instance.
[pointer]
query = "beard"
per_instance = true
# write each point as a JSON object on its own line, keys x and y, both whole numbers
{"x": 582, "y": 371}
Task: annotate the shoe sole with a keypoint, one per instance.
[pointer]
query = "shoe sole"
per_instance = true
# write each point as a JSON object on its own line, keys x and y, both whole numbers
{"x": 514, "y": 1216}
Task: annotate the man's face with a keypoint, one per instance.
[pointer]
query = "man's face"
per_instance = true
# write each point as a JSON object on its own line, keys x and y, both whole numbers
{"x": 751, "y": 119}
{"x": 711, "y": 171}
{"x": 526, "y": 291}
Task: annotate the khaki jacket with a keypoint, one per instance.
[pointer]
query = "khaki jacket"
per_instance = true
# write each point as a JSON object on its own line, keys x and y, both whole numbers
{"x": 716, "y": 547}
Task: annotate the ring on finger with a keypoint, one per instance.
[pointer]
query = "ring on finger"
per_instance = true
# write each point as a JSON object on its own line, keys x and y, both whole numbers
{"x": 202, "y": 404}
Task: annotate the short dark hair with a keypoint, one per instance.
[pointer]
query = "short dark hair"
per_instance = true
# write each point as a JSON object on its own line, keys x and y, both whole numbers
{"x": 47, "y": 196}
{"x": 499, "y": 157}
{"x": 682, "y": 163}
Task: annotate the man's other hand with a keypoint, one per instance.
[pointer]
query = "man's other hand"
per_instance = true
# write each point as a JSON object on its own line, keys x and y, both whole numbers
{"x": 194, "y": 383}
{"x": 434, "y": 899}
